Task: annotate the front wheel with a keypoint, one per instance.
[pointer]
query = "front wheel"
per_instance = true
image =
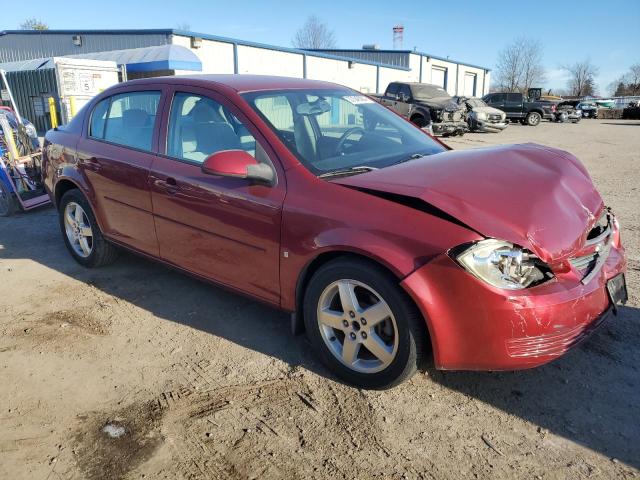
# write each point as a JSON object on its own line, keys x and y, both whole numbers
{"x": 533, "y": 119}
{"x": 81, "y": 232}
{"x": 362, "y": 324}
{"x": 419, "y": 121}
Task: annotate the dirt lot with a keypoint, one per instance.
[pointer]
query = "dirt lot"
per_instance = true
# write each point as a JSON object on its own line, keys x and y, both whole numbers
{"x": 201, "y": 383}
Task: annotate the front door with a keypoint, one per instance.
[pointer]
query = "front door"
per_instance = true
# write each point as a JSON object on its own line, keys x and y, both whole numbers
{"x": 115, "y": 156}
{"x": 225, "y": 229}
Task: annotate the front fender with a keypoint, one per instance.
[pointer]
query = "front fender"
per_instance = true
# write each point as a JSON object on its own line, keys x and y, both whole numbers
{"x": 394, "y": 253}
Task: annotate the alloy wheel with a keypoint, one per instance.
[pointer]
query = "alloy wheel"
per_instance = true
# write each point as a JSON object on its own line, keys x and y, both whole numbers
{"x": 358, "y": 326}
{"x": 78, "y": 229}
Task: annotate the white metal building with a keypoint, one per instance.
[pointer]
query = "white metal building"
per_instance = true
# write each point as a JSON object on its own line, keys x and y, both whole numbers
{"x": 369, "y": 71}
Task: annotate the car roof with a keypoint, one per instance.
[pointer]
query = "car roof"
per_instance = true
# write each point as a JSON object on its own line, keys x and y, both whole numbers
{"x": 239, "y": 82}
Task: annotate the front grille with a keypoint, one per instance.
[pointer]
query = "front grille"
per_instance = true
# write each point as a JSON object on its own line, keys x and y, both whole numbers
{"x": 495, "y": 118}
{"x": 585, "y": 262}
{"x": 598, "y": 245}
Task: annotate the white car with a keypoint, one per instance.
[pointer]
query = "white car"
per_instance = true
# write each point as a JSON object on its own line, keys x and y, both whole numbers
{"x": 481, "y": 117}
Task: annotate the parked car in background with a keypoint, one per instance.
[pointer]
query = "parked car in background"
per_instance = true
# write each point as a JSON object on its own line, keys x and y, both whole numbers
{"x": 427, "y": 106}
{"x": 568, "y": 111}
{"x": 314, "y": 198}
{"x": 588, "y": 109}
{"x": 481, "y": 117}
{"x": 518, "y": 107}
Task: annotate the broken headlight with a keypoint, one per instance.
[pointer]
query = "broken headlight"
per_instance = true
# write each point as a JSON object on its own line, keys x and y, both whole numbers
{"x": 503, "y": 264}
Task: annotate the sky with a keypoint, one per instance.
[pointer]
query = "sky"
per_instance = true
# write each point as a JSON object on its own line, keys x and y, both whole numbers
{"x": 607, "y": 32}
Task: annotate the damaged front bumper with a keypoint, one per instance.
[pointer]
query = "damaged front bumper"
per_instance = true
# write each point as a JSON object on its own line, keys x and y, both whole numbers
{"x": 487, "y": 126}
{"x": 474, "y": 326}
{"x": 449, "y": 128}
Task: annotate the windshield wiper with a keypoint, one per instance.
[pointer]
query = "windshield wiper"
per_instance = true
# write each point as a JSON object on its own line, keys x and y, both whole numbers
{"x": 347, "y": 171}
{"x": 415, "y": 156}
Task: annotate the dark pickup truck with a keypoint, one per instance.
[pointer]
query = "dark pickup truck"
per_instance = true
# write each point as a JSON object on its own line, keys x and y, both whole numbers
{"x": 427, "y": 106}
{"x": 518, "y": 107}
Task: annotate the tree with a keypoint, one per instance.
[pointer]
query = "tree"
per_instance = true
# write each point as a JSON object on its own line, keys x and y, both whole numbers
{"x": 519, "y": 66}
{"x": 628, "y": 84}
{"x": 582, "y": 78}
{"x": 314, "y": 34}
{"x": 33, "y": 24}
{"x": 183, "y": 26}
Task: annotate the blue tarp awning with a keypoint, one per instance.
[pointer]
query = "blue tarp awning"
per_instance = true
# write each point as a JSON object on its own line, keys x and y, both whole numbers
{"x": 147, "y": 59}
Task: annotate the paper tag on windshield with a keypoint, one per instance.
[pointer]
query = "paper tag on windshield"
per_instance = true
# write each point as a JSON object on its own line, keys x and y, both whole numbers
{"x": 357, "y": 99}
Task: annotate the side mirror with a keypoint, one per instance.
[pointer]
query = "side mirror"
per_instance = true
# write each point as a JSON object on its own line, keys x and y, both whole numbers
{"x": 239, "y": 164}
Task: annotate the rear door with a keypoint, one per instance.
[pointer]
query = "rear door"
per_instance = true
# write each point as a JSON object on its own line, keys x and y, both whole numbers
{"x": 225, "y": 229}
{"x": 115, "y": 156}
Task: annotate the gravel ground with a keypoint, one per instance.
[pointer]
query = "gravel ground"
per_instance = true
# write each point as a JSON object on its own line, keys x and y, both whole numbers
{"x": 137, "y": 371}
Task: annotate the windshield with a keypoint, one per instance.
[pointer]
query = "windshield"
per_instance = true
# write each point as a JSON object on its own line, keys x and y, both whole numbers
{"x": 476, "y": 102}
{"x": 426, "y": 91}
{"x": 330, "y": 130}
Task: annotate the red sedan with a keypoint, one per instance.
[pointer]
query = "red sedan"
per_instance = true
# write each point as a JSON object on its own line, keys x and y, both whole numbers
{"x": 383, "y": 243}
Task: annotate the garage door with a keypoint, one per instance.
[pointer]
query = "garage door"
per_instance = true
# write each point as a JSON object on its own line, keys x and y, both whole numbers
{"x": 469, "y": 84}
{"x": 439, "y": 76}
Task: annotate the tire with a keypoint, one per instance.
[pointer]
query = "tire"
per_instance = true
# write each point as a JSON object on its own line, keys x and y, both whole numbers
{"x": 100, "y": 252}
{"x": 403, "y": 330}
{"x": 7, "y": 202}
{"x": 533, "y": 119}
{"x": 419, "y": 121}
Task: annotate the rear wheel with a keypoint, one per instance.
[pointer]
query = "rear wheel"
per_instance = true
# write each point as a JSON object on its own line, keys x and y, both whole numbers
{"x": 362, "y": 325}
{"x": 81, "y": 232}
{"x": 7, "y": 202}
{"x": 533, "y": 119}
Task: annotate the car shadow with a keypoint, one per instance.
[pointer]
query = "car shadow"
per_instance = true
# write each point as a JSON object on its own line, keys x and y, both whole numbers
{"x": 590, "y": 396}
{"x": 624, "y": 124}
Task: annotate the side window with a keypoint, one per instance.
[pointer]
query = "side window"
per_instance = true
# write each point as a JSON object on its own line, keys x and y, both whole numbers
{"x": 131, "y": 119}
{"x": 200, "y": 126}
{"x": 497, "y": 98}
{"x": 406, "y": 90}
{"x": 99, "y": 118}
{"x": 392, "y": 90}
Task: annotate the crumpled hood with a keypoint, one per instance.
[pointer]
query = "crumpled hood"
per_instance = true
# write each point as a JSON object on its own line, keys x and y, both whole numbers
{"x": 534, "y": 196}
{"x": 488, "y": 110}
{"x": 447, "y": 104}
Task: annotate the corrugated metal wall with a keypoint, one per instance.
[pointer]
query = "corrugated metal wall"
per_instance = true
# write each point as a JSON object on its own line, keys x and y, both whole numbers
{"x": 397, "y": 59}
{"x": 25, "y": 46}
{"x": 31, "y": 90}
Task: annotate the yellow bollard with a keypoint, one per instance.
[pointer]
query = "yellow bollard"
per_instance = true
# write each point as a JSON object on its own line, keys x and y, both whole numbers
{"x": 52, "y": 113}
{"x": 72, "y": 105}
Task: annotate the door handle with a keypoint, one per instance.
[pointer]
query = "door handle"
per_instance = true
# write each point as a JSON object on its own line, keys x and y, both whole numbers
{"x": 169, "y": 185}
{"x": 91, "y": 164}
